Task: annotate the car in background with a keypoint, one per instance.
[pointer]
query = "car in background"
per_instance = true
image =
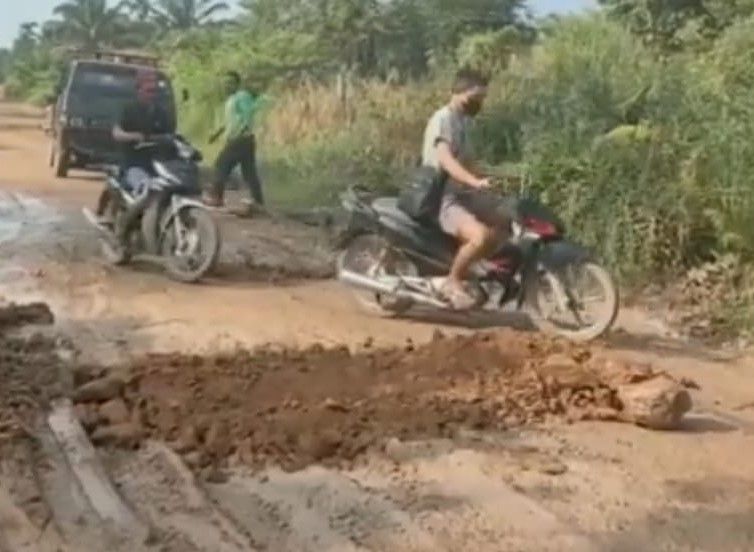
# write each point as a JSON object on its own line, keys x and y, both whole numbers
{"x": 88, "y": 103}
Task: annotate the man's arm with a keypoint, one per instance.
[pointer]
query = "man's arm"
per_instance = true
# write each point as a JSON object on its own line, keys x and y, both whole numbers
{"x": 455, "y": 169}
{"x": 215, "y": 135}
{"x": 121, "y": 135}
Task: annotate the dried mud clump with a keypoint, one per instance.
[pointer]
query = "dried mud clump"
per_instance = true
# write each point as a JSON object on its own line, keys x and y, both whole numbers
{"x": 297, "y": 407}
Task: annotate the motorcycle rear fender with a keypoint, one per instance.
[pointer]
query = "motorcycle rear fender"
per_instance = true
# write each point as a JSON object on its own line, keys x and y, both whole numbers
{"x": 360, "y": 223}
{"x": 559, "y": 254}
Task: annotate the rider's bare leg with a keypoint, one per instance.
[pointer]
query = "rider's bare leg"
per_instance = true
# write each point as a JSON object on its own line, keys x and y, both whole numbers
{"x": 476, "y": 239}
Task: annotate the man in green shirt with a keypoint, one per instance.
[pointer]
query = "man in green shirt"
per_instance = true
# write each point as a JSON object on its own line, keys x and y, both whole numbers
{"x": 240, "y": 144}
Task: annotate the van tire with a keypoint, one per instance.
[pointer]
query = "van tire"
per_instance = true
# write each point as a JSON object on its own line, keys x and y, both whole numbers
{"x": 62, "y": 161}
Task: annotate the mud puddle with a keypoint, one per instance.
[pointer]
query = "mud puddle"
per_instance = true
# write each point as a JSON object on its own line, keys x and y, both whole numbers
{"x": 24, "y": 217}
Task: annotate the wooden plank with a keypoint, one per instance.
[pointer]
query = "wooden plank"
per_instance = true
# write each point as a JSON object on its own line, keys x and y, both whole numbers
{"x": 86, "y": 466}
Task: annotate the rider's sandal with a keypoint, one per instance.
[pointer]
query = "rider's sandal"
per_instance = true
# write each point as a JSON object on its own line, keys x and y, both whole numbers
{"x": 458, "y": 298}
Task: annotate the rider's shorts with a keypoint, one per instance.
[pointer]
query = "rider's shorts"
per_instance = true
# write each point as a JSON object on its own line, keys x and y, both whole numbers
{"x": 136, "y": 179}
{"x": 460, "y": 209}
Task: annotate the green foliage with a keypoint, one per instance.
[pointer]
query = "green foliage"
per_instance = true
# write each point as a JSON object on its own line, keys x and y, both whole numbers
{"x": 179, "y": 14}
{"x": 33, "y": 78}
{"x": 5, "y": 62}
{"x": 489, "y": 52}
{"x": 376, "y": 37}
{"x": 673, "y": 25}
{"x": 90, "y": 24}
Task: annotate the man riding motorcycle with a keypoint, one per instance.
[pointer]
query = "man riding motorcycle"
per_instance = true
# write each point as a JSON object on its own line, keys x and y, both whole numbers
{"x": 464, "y": 213}
{"x": 138, "y": 121}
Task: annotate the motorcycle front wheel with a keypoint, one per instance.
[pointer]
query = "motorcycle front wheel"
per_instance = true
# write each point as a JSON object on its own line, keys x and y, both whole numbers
{"x": 190, "y": 245}
{"x": 114, "y": 252}
{"x": 579, "y": 303}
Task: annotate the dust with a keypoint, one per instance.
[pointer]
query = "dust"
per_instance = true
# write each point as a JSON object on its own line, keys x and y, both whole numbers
{"x": 294, "y": 408}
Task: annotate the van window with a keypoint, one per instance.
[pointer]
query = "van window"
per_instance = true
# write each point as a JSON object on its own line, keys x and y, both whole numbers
{"x": 101, "y": 91}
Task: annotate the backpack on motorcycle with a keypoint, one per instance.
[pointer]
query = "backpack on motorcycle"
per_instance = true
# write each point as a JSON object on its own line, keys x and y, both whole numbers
{"x": 422, "y": 197}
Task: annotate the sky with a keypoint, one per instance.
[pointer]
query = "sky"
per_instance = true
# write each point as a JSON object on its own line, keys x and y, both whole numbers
{"x": 39, "y": 10}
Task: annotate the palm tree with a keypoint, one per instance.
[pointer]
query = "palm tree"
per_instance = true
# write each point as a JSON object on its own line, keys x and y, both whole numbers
{"x": 27, "y": 39}
{"x": 141, "y": 10}
{"x": 186, "y": 14}
{"x": 90, "y": 23}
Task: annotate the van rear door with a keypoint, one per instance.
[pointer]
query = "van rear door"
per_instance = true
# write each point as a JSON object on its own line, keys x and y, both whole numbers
{"x": 95, "y": 99}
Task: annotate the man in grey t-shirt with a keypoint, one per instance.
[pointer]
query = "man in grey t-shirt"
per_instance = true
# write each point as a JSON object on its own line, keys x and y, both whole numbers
{"x": 463, "y": 214}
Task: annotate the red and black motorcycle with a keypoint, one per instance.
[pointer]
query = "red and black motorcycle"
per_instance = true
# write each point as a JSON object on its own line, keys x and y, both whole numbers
{"x": 392, "y": 261}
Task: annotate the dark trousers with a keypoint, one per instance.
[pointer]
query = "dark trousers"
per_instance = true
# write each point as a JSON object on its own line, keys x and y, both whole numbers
{"x": 241, "y": 151}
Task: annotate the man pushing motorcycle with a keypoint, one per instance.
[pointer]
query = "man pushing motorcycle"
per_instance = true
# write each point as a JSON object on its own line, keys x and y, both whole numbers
{"x": 465, "y": 213}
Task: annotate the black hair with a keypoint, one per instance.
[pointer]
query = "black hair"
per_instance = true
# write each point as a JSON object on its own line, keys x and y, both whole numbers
{"x": 466, "y": 79}
{"x": 235, "y": 75}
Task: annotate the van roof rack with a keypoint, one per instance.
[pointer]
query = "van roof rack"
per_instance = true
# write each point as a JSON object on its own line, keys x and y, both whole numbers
{"x": 114, "y": 56}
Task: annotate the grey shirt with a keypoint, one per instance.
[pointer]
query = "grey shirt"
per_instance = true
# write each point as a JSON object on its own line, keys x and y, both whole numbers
{"x": 449, "y": 126}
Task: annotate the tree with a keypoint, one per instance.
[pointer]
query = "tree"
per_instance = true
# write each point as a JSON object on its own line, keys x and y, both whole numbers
{"x": 674, "y": 24}
{"x": 453, "y": 20}
{"x": 186, "y": 14}
{"x": 26, "y": 41}
{"x": 141, "y": 10}
{"x": 381, "y": 36}
{"x": 91, "y": 23}
{"x": 4, "y": 64}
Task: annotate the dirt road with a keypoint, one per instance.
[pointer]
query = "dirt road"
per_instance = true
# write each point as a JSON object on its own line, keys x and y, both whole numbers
{"x": 588, "y": 486}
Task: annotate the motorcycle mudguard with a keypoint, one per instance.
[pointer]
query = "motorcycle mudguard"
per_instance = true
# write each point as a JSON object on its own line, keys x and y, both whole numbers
{"x": 177, "y": 204}
{"x": 358, "y": 224}
{"x": 557, "y": 255}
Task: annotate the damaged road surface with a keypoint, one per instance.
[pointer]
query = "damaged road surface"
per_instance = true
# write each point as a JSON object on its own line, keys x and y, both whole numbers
{"x": 355, "y": 433}
{"x": 464, "y": 443}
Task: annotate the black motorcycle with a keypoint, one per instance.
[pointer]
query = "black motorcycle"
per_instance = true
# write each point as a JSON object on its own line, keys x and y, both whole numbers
{"x": 161, "y": 221}
{"x": 395, "y": 260}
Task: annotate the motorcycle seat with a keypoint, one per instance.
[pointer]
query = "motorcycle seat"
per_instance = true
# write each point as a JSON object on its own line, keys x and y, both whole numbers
{"x": 388, "y": 207}
{"x": 429, "y": 238}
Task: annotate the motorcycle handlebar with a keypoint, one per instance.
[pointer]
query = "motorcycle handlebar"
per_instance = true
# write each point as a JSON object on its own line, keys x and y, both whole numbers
{"x": 156, "y": 140}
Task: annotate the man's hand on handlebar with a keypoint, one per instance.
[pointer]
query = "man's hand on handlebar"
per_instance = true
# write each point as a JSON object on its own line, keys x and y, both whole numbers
{"x": 148, "y": 140}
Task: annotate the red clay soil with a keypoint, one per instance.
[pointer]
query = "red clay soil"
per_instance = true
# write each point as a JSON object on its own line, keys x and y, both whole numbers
{"x": 295, "y": 408}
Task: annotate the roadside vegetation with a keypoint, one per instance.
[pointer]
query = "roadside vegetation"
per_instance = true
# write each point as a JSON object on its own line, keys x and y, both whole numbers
{"x": 635, "y": 122}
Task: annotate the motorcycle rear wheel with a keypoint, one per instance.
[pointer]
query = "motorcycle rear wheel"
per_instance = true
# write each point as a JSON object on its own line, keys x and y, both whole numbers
{"x": 575, "y": 324}
{"x": 371, "y": 255}
{"x": 201, "y": 235}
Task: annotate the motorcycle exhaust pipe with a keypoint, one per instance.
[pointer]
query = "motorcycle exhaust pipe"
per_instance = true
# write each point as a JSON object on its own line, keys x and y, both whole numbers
{"x": 376, "y": 286}
{"x": 365, "y": 282}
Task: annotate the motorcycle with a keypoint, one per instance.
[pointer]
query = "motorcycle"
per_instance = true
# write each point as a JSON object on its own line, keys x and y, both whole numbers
{"x": 160, "y": 222}
{"x": 393, "y": 260}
